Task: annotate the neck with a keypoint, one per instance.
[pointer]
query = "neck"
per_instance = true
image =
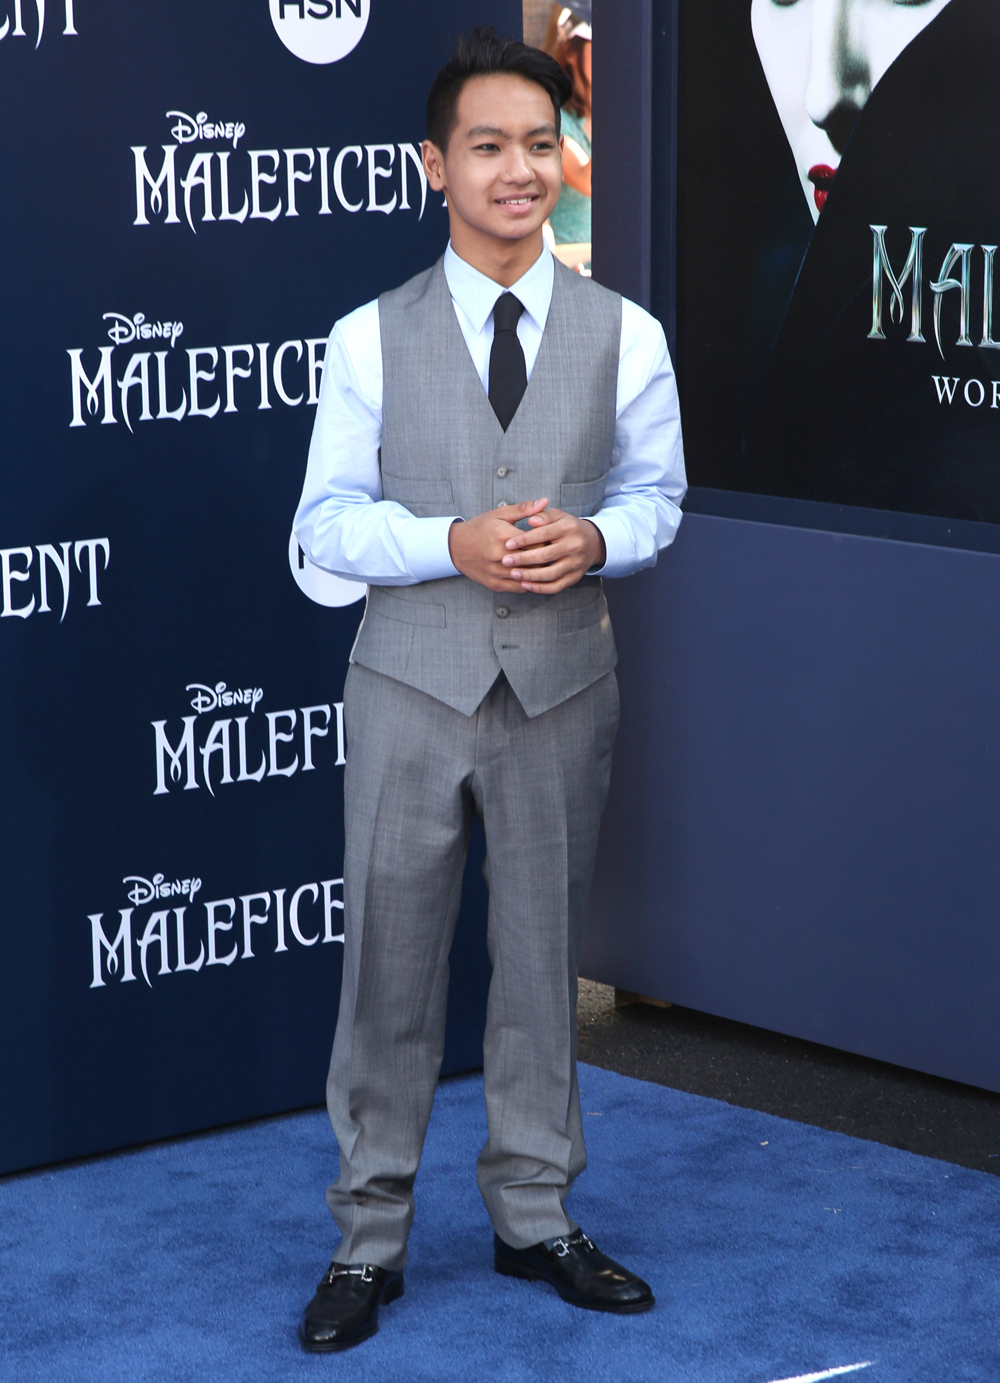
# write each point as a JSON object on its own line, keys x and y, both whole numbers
{"x": 503, "y": 261}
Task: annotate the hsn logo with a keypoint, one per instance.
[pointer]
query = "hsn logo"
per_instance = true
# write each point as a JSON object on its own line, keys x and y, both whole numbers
{"x": 320, "y": 31}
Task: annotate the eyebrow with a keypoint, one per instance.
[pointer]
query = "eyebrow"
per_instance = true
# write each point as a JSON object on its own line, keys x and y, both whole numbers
{"x": 478, "y": 130}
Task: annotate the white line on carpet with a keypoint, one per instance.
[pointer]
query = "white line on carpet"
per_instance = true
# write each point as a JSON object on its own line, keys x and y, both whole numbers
{"x": 827, "y": 1373}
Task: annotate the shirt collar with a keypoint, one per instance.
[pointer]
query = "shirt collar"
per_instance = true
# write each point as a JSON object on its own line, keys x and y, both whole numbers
{"x": 476, "y": 294}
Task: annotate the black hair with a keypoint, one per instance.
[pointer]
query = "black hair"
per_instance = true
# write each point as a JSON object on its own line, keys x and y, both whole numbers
{"x": 484, "y": 54}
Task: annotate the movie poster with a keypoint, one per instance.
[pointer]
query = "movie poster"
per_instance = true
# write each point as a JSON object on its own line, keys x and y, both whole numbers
{"x": 838, "y": 222}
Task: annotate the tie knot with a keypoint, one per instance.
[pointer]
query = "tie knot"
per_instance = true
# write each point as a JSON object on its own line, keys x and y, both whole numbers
{"x": 506, "y": 312}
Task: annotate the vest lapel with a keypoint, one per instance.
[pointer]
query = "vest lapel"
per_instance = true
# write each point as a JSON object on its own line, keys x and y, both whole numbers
{"x": 544, "y": 375}
{"x": 466, "y": 376}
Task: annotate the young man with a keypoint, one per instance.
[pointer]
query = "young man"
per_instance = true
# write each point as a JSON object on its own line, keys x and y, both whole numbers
{"x": 491, "y": 439}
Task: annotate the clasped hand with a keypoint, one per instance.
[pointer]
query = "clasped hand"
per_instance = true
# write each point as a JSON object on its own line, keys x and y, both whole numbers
{"x": 556, "y": 551}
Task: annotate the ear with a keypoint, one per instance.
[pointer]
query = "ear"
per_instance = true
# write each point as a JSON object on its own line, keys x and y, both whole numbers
{"x": 433, "y": 160}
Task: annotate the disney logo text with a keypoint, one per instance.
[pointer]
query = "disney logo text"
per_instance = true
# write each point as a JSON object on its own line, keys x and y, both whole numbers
{"x": 145, "y": 890}
{"x": 208, "y": 698}
{"x": 126, "y": 329}
{"x": 187, "y": 130}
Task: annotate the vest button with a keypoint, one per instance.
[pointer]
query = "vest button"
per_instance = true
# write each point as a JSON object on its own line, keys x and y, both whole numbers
{"x": 501, "y": 471}
{"x": 501, "y": 612}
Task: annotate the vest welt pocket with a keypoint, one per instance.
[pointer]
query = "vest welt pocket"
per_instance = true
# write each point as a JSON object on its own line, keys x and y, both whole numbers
{"x": 582, "y": 497}
{"x": 431, "y": 616}
{"x": 583, "y": 616}
{"x": 406, "y": 490}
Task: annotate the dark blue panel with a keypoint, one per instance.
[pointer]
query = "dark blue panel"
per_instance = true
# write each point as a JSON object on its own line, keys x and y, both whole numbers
{"x": 623, "y": 133}
{"x": 805, "y": 804}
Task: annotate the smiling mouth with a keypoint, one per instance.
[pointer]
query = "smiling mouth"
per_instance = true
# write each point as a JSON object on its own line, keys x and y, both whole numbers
{"x": 517, "y": 201}
{"x": 821, "y": 175}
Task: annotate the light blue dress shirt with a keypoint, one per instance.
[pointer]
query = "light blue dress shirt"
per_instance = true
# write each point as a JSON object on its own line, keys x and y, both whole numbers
{"x": 345, "y": 526}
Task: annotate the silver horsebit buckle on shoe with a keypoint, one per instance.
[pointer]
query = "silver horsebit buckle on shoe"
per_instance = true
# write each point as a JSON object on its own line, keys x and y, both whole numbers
{"x": 366, "y": 1273}
{"x": 561, "y": 1247}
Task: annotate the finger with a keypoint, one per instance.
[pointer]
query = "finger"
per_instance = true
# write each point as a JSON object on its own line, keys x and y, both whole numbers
{"x": 546, "y": 575}
{"x": 534, "y": 537}
{"x": 514, "y": 513}
{"x": 499, "y": 581}
{"x": 496, "y": 572}
{"x": 563, "y": 541}
{"x": 543, "y": 556}
{"x": 553, "y": 588}
{"x": 508, "y": 558}
{"x": 552, "y": 515}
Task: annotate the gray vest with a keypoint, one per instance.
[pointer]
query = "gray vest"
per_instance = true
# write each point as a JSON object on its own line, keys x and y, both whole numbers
{"x": 443, "y": 452}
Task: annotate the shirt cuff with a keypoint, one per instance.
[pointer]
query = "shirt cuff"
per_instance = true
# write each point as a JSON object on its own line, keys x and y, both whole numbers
{"x": 618, "y": 542}
{"x": 427, "y": 555}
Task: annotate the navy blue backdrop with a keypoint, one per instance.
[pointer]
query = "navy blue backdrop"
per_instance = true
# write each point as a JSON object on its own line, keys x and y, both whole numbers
{"x": 186, "y": 206}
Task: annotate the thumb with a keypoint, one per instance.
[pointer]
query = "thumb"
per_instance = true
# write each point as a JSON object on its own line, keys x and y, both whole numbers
{"x": 514, "y": 513}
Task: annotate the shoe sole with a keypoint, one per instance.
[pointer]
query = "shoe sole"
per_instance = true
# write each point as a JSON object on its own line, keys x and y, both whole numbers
{"x": 530, "y": 1275}
{"x": 392, "y": 1293}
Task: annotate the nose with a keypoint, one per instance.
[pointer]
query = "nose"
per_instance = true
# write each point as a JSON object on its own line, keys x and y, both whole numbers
{"x": 839, "y": 68}
{"x": 516, "y": 168}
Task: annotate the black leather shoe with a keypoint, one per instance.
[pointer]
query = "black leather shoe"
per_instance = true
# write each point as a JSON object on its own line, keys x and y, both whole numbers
{"x": 579, "y": 1272}
{"x": 344, "y": 1310}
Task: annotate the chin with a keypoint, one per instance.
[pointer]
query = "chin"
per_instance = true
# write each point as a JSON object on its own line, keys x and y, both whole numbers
{"x": 519, "y": 230}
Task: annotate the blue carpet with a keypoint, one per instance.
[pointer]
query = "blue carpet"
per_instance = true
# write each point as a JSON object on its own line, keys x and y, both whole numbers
{"x": 776, "y": 1250}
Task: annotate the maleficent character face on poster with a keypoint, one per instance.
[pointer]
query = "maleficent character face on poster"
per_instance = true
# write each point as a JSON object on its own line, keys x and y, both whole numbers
{"x": 839, "y": 212}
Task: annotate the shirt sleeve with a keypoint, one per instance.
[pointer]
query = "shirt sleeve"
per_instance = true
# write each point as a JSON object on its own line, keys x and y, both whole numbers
{"x": 342, "y": 523}
{"x": 647, "y": 481}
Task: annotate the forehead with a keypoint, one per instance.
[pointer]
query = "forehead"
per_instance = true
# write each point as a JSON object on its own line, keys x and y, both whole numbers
{"x": 504, "y": 101}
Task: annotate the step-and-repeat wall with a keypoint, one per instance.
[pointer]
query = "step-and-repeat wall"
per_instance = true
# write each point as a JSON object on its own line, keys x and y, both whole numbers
{"x": 190, "y": 195}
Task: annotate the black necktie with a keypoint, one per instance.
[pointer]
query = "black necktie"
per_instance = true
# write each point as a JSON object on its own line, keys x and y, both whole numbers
{"x": 508, "y": 376}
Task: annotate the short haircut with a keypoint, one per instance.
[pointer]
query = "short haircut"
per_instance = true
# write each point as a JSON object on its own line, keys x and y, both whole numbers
{"x": 484, "y": 54}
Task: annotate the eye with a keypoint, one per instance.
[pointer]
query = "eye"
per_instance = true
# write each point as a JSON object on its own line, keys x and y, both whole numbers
{"x": 488, "y": 148}
{"x": 544, "y": 146}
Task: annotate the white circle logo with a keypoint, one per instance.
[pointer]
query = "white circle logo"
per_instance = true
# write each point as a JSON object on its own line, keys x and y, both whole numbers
{"x": 320, "y": 31}
{"x": 319, "y": 585}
